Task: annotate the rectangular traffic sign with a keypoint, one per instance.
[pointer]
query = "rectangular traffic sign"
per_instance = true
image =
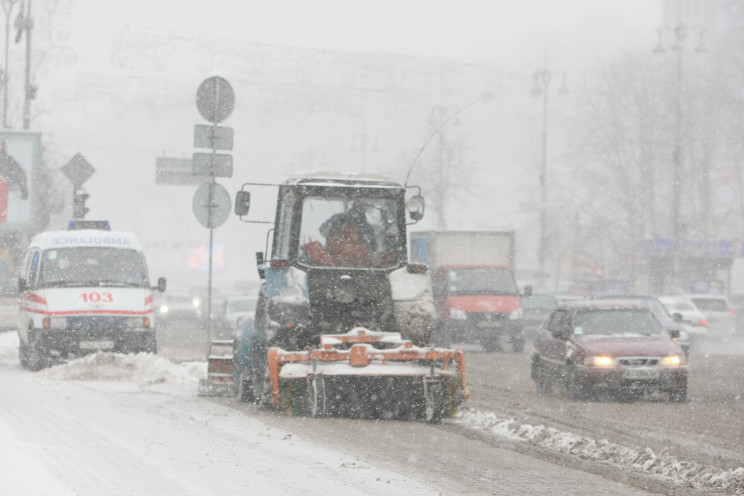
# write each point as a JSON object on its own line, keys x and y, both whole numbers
{"x": 219, "y": 164}
{"x": 176, "y": 172}
{"x": 214, "y": 137}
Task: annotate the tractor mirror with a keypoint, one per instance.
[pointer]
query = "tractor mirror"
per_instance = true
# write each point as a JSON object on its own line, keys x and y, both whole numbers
{"x": 242, "y": 203}
{"x": 415, "y": 206}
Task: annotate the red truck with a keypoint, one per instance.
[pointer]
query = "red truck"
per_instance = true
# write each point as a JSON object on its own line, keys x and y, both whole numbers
{"x": 475, "y": 294}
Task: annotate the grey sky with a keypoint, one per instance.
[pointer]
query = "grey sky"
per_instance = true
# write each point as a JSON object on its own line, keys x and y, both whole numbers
{"x": 99, "y": 105}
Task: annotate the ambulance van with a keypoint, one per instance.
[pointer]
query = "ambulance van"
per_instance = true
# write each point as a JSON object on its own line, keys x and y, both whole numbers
{"x": 84, "y": 290}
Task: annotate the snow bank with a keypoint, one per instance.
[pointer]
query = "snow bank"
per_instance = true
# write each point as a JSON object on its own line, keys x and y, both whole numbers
{"x": 644, "y": 460}
{"x": 143, "y": 368}
{"x": 8, "y": 347}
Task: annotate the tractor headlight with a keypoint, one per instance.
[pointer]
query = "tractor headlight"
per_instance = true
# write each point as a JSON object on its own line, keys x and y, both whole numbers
{"x": 163, "y": 309}
{"x": 516, "y": 314}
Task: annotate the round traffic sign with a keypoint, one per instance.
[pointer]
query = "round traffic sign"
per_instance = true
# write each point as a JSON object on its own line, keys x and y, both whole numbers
{"x": 211, "y": 205}
{"x": 215, "y": 99}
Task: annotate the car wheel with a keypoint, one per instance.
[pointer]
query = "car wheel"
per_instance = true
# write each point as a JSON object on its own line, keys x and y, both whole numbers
{"x": 574, "y": 388}
{"x": 678, "y": 395}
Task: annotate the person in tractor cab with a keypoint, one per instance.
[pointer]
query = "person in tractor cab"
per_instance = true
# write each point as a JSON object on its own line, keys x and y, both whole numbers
{"x": 350, "y": 239}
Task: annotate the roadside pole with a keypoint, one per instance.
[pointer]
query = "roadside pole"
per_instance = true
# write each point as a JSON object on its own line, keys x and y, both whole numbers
{"x": 215, "y": 100}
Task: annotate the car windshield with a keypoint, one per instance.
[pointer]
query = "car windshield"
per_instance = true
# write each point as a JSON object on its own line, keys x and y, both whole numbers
{"x": 481, "y": 280}
{"x": 658, "y": 308}
{"x": 92, "y": 266}
{"x": 241, "y": 305}
{"x": 348, "y": 232}
{"x": 616, "y": 322}
{"x": 680, "y": 305}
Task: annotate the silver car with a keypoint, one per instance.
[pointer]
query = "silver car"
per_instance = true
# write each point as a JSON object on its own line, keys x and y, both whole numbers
{"x": 717, "y": 310}
{"x": 696, "y": 323}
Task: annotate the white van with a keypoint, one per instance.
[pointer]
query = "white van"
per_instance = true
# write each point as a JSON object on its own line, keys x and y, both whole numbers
{"x": 83, "y": 290}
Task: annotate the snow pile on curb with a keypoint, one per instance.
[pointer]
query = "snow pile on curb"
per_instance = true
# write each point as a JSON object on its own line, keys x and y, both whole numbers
{"x": 9, "y": 347}
{"x": 143, "y": 368}
{"x": 642, "y": 460}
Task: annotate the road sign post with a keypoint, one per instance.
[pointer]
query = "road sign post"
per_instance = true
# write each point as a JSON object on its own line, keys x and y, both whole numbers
{"x": 78, "y": 170}
{"x": 215, "y": 100}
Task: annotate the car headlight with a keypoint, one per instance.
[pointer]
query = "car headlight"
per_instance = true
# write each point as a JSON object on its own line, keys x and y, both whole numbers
{"x": 457, "y": 314}
{"x": 672, "y": 361}
{"x": 600, "y": 361}
{"x": 164, "y": 309}
{"x": 516, "y": 314}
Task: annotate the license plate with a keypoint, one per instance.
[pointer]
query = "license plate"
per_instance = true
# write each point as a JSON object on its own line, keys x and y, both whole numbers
{"x": 639, "y": 374}
{"x": 96, "y": 345}
{"x": 488, "y": 324}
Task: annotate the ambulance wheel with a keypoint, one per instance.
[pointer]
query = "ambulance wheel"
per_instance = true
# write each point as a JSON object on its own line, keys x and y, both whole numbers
{"x": 38, "y": 356}
{"x": 150, "y": 345}
{"x": 23, "y": 355}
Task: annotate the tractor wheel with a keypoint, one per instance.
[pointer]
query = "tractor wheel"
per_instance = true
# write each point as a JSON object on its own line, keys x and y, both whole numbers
{"x": 434, "y": 402}
{"x": 244, "y": 390}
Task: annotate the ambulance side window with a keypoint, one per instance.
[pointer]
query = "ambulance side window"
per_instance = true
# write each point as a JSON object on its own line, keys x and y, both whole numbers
{"x": 33, "y": 270}
{"x": 144, "y": 270}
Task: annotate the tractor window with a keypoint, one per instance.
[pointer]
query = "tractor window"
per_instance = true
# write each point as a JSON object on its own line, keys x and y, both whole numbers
{"x": 348, "y": 232}
{"x": 283, "y": 229}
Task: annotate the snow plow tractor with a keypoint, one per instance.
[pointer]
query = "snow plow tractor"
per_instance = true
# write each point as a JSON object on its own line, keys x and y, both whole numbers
{"x": 343, "y": 320}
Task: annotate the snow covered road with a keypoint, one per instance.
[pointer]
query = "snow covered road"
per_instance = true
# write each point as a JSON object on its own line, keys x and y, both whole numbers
{"x": 152, "y": 435}
{"x": 122, "y": 424}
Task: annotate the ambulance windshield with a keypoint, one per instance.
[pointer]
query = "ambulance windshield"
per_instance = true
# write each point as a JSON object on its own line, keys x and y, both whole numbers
{"x": 93, "y": 266}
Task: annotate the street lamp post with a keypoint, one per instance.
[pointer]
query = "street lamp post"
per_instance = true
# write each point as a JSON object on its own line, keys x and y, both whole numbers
{"x": 680, "y": 40}
{"x": 543, "y": 78}
{"x": 8, "y": 8}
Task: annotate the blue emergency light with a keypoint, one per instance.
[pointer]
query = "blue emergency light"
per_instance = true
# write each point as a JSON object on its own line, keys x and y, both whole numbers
{"x": 77, "y": 224}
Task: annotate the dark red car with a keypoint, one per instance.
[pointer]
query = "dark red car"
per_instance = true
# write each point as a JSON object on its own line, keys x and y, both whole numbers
{"x": 607, "y": 346}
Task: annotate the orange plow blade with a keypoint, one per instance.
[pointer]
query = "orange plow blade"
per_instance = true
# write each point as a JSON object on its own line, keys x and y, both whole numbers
{"x": 368, "y": 374}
